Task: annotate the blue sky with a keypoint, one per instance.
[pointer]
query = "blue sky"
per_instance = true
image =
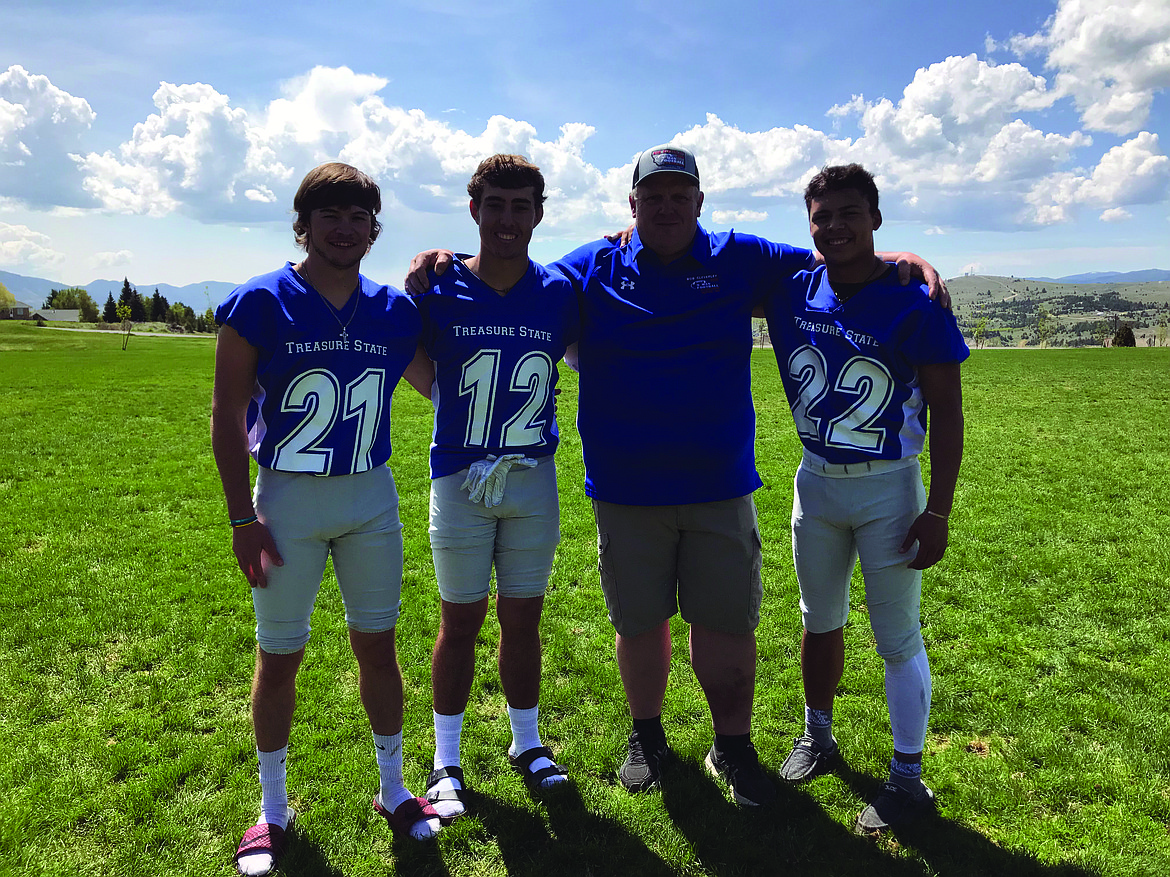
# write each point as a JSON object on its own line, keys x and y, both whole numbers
{"x": 1024, "y": 138}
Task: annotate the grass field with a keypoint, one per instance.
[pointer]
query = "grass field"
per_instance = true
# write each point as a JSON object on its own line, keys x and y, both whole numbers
{"x": 126, "y": 649}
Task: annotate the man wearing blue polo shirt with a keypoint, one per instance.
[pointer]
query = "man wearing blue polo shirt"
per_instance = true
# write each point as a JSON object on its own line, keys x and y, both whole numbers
{"x": 668, "y": 432}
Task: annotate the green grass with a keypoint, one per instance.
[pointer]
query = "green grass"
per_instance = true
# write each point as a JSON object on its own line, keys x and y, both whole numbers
{"x": 126, "y": 649}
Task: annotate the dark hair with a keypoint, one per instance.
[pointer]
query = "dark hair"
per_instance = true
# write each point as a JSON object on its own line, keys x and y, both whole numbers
{"x": 506, "y": 172}
{"x": 334, "y": 184}
{"x": 834, "y": 178}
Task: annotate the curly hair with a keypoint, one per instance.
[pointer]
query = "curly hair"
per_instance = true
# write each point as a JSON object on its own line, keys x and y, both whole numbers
{"x": 834, "y": 178}
{"x": 506, "y": 172}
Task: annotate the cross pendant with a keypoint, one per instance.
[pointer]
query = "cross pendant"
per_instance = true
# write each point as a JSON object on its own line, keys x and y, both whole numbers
{"x": 344, "y": 338}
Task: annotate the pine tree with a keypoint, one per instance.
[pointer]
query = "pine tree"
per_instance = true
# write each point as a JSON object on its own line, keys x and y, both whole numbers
{"x": 158, "y": 307}
{"x": 110, "y": 311}
{"x": 137, "y": 308}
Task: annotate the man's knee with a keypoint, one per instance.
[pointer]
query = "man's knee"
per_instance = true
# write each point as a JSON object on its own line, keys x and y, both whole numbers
{"x": 276, "y": 670}
{"x": 519, "y": 615}
{"x": 374, "y": 651}
{"x": 900, "y": 649}
{"x": 462, "y": 621}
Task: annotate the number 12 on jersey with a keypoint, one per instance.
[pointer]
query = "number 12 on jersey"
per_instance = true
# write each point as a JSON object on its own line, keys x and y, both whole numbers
{"x": 479, "y": 379}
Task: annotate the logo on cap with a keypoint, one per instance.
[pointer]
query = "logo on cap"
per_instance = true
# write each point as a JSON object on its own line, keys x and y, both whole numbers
{"x": 669, "y": 158}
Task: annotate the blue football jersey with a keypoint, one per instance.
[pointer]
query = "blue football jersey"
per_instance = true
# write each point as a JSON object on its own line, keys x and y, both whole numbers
{"x": 665, "y": 411}
{"x": 495, "y": 364}
{"x": 321, "y": 404}
{"x": 850, "y": 369}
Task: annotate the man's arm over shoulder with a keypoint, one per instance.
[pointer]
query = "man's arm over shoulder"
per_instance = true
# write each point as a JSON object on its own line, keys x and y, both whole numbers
{"x": 911, "y": 265}
{"x": 772, "y": 263}
{"x": 578, "y": 265}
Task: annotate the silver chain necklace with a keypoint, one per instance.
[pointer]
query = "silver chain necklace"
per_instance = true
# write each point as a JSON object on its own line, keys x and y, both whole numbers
{"x": 329, "y": 307}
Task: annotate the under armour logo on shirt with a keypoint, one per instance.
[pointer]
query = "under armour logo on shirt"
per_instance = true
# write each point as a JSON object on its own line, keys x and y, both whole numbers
{"x": 627, "y": 283}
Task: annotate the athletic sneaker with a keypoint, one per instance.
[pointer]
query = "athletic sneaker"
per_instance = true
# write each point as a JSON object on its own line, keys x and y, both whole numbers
{"x": 750, "y": 786}
{"x": 642, "y": 769}
{"x": 808, "y": 759}
{"x": 894, "y": 806}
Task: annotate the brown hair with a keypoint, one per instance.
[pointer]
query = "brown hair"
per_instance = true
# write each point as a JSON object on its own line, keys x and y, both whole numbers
{"x": 334, "y": 184}
{"x": 507, "y": 172}
{"x": 834, "y": 178}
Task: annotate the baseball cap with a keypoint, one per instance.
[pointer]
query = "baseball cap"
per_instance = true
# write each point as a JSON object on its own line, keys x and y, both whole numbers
{"x": 663, "y": 159}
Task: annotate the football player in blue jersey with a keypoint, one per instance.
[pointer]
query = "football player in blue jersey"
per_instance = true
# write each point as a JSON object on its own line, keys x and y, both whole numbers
{"x": 494, "y": 327}
{"x": 668, "y": 435}
{"x": 863, "y": 359}
{"x": 305, "y": 364}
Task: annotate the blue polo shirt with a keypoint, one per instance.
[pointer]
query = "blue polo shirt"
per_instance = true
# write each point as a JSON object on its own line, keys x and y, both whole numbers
{"x": 665, "y": 411}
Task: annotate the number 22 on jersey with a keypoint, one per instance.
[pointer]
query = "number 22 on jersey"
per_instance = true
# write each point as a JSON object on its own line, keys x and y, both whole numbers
{"x": 867, "y": 380}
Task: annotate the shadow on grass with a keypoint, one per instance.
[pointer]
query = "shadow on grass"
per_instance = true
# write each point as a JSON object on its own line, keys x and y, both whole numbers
{"x": 414, "y": 858}
{"x": 954, "y": 850}
{"x": 575, "y": 840}
{"x": 303, "y": 858}
{"x": 792, "y": 836}
{"x": 796, "y": 836}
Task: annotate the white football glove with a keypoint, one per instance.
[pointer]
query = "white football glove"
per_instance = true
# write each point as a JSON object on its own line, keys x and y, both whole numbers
{"x": 486, "y": 479}
{"x": 476, "y": 479}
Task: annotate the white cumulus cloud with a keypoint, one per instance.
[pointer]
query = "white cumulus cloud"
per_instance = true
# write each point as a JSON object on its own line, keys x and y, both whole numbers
{"x": 39, "y": 126}
{"x": 1109, "y": 57}
{"x": 20, "y": 245}
{"x": 112, "y": 258}
{"x": 964, "y": 146}
{"x": 1136, "y": 172}
{"x": 198, "y": 155}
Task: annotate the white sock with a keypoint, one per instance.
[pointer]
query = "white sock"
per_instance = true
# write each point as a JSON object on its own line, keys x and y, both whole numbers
{"x": 908, "y": 697}
{"x": 273, "y": 805}
{"x": 448, "y": 730}
{"x": 273, "y": 790}
{"x": 388, "y": 751}
{"x": 525, "y": 736}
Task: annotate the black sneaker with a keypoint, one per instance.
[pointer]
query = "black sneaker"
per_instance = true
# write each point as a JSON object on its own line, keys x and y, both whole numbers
{"x": 894, "y": 806}
{"x": 750, "y": 786}
{"x": 642, "y": 769}
{"x": 808, "y": 759}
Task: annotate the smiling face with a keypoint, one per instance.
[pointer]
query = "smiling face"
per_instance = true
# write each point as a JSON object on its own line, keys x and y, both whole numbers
{"x": 339, "y": 236}
{"x": 842, "y": 226}
{"x": 666, "y": 208}
{"x": 506, "y": 218}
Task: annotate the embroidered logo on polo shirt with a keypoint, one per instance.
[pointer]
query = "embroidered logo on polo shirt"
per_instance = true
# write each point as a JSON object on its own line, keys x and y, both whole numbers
{"x": 705, "y": 283}
{"x": 627, "y": 283}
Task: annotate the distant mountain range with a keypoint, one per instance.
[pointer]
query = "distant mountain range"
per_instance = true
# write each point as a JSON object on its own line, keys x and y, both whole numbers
{"x": 197, "y": 296}
{"x": 1149, "y": 275}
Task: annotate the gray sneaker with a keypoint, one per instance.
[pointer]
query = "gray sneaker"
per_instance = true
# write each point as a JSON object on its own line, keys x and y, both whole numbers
{"x": 750, "y": 786}
{"x": 642, "y": 769}
{"x": 893, "y": 807}
{"x": 808, "y": 759}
